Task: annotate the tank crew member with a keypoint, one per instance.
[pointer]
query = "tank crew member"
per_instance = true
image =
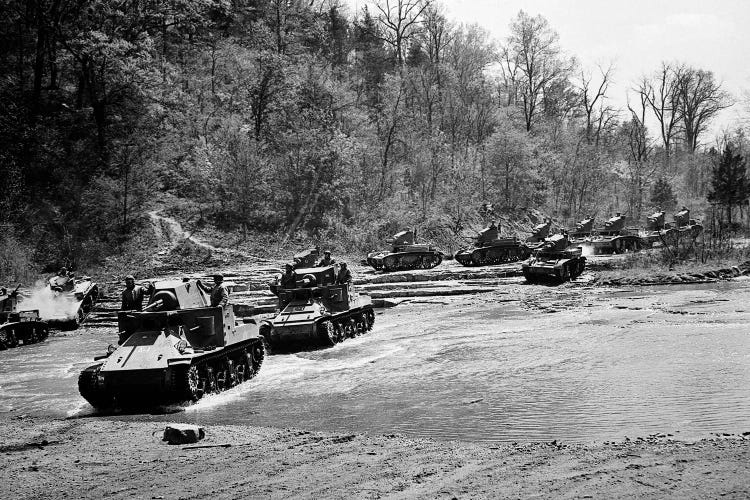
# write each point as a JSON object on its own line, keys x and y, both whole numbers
{"x": 63, "y": 281}
{"x": 287, "y": 280}
{"x": 326, "y": 260}
{"x": 218, "y": 294}
{"x": 132, "y": 296}
{"x": 344, "y": 276}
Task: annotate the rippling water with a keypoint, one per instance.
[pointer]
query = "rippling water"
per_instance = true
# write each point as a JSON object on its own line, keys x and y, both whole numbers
{"x": 602, "y": 367}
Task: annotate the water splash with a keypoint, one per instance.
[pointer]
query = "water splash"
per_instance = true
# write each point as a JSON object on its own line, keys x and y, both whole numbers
{"x": 50, "y": 304}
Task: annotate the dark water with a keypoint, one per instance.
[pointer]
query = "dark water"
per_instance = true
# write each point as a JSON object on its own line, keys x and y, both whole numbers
{"x": 602, "y": 367}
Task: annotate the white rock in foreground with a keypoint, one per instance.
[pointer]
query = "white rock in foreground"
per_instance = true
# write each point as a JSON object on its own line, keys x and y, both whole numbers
{"x": 183, "y": 433}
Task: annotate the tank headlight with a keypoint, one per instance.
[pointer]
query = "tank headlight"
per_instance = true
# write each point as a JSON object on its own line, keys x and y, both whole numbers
{"x": 111, "y": 349}
{"x": 181, "y": 346}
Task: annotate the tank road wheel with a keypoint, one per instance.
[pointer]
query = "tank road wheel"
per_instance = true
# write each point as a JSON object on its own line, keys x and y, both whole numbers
{"x": 190, "y": 383}
{"x": 10, "y": 339}
{"x": 327, "y": 333}
{"x": 340, "y": 335}
{"x": 254, "y": 359}
{"x": 350, "y": 327}
{"x": 241, "y": 369}
{"x": 370, "y": 318}
{"x": 210, "y": 385}
{"x": 231, "y": 373}
{"x": 361, "y": 324}
{"x": 564, "y": 272}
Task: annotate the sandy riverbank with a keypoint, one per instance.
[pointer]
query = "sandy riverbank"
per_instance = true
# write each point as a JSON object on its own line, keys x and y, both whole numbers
{"x": 101, "y": 458}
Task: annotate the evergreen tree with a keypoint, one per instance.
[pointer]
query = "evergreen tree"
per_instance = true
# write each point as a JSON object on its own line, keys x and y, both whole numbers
{"x": 729, "y": 183}
{"x": 662, "y": 196}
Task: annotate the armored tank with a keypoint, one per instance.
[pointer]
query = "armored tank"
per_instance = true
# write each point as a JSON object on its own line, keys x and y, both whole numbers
{"x": 177, "y": 350}
{"x": 614, "y": 237}
{"x": 582, "y": 230}
{"x": 540, "y": 232}
{"x": 315, "y": 311}
{"x": 685, "y": 226}
{"x": 73, "y": 299}
{"x": 18, "y": 326}
{"x": 555, "y": 260}
{"x": 658, "y": 231}
{"x": 405, "y": 254}
{"x": 491, "y": 248}
{"x": 306, "y": 258}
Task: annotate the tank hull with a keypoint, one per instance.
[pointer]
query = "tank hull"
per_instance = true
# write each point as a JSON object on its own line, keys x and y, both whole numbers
{"x": 326, "y": 330}
{"x": 15, "y": 333}
{"x": 616, "y": 244}
{"x": 185, "y": 379}
{"x": 553, "y": 270}
{"x": 493, "y": 254}
{"x": 404, "y": 261}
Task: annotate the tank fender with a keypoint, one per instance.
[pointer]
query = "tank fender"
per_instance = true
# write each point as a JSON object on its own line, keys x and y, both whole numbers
{"x": 178, "y": 361}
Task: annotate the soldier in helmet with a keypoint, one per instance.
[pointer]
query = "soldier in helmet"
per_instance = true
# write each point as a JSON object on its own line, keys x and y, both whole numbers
{"x": 326, "y": 260}
{"x": 287, "y": 280}
{"x": 344, "y": 276}
{"x": 219, "y": 295}
{"x": 63, "y": 281}
{"x": 132, "y": 296}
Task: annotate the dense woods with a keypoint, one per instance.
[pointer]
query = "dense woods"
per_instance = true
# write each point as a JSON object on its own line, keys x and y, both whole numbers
{"x": 293, "y": 117}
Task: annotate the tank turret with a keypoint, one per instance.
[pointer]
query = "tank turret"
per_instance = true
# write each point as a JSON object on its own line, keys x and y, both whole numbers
{"x": 539, "y": 232}
{"x": 655, "y": 221}
{"x": 316, "y": 311}
{"x": 615, "y": 224}
{"x": 306, "y": 258}
{"x": 682, "y": 218}
{"x": 405, "y": 254}
{"x": 178, "y": 349}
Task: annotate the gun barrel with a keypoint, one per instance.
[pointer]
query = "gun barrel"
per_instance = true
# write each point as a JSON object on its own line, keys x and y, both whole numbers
{"x": 154, "y": 305}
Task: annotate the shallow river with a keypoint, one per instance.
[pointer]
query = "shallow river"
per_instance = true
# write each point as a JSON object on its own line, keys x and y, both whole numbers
{"x": 531, "y": 364}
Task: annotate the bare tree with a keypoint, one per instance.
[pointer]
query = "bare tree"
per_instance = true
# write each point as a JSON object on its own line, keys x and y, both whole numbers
{"x": 533, "y": 47}
{"x": 661, "y": 94}
{"x": 640, "y": 147}
{"x": 592, "y": 97}
{"x": 399, "y": 19}
{"x": 701, "y": 98}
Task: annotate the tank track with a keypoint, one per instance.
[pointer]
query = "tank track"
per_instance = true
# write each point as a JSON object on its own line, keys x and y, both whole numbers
{"x": 210, "y": 373}
{"x": 485, "y": 256}
{"x": 422, "y": 260}
{"x": 9, "y": 338}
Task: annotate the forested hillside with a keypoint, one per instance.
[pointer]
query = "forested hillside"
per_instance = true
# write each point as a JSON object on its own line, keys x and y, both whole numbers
{"x": 305, "y": 119}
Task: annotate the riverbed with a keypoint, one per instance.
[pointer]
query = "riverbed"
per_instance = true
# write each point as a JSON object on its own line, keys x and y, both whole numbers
{"x": 521, "y": 363}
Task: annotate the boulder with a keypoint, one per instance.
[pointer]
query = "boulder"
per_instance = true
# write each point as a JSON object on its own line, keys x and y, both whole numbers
{"x": 183, "y": 433}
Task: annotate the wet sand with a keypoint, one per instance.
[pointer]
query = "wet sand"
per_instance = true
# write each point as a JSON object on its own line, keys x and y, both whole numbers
{"x": 94, "y": 458}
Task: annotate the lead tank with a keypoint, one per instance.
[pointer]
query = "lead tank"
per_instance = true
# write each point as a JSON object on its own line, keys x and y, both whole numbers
{"x": 405, "y": 254}
{"x": 555, "y": 261}
{"x": 315, "y": 311}
{"x": 18, "y": 326}
{"x": 177, "y": 350}
{"x": 491, "y": 248}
